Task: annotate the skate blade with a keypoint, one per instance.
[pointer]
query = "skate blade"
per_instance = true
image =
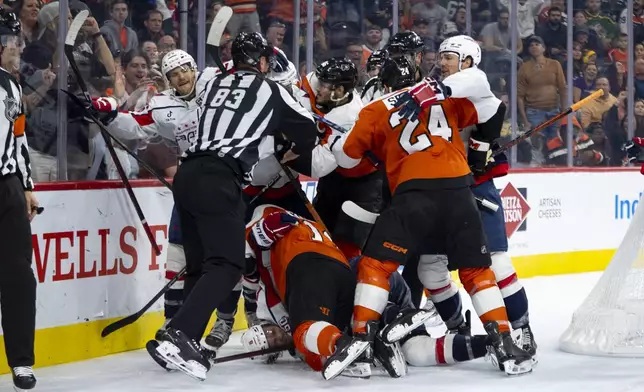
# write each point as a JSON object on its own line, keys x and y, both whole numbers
{"x": 397, "y": 332}
{"x": 209, "y": 346}
{"x": 170, "y": 353}
{"x": 357, "y": 370}
{"x": 151, "y": 348}
{"x": 517, "y": 369}
{"x": 335, "y": 368}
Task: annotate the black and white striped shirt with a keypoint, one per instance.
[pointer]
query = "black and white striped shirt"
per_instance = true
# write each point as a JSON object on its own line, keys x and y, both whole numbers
{"x": 14, "y": 153}
{"x": 243, "y": 112}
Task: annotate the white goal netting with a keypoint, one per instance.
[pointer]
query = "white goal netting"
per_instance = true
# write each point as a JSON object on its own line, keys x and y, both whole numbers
{"x": 610, "y": 321}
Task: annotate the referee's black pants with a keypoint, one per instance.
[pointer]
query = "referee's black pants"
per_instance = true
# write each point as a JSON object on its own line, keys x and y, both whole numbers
{"x": 17, "y": 281}
{"x": 207, "y": 194}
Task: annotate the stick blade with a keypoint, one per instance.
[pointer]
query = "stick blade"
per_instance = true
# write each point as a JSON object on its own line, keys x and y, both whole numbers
{"x": 218, "y": 26}
{"x": 358, "y": 213}
{"x": 115, "y": 326}
{"x": 75, "y": 27}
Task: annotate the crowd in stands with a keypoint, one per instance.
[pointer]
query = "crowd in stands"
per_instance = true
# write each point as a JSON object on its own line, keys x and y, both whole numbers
{"x": 121, "y": 45}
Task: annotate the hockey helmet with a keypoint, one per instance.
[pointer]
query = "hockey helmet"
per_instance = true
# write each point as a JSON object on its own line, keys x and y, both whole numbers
{"x": 397, "y": 73}
{"x": 248, "y": 48}
{"x": 175, "y": 59}
{"x": 338, "y": 71}
{"x": 376, "y": 59}
{"x": 406, "y": 42}
{"x": 463, "y": 46}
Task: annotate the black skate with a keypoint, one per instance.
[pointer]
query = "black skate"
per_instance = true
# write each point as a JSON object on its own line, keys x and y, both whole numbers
{"x": 524, "y": 338}
{"x": 466, "y": 326}
{"x": 251, "y": 319}
{"x": 151, "y": 347}
{"x": 407, "y": 321}
{"x": 348, "y": 350}
{"x": 219, "y": 334}
{"x": 23, "y": 378}
{"x": 361, "y": 368}
{"x": 184, "y": 353}
{"x": 160, "y": 331}
{"x": 390, "y": 357}
{"x": 504, "y": 353}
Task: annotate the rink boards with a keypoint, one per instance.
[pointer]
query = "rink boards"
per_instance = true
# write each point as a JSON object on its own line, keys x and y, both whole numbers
{"x": 94, "y": 264}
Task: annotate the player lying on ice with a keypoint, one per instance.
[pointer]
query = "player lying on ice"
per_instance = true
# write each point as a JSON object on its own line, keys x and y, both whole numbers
{"x": 306, "y": 299}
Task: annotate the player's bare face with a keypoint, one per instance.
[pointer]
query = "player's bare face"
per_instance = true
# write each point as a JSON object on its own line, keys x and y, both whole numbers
{"x": 276, "y": 336}
{"x": 182, "y": 79}
{"x": 449, "y": 64}
{"x": 324, "y": 93}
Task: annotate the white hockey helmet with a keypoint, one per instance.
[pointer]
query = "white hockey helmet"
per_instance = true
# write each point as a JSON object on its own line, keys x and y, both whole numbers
{"x": 464, "y": 46}
{"x": 176, "y": 58}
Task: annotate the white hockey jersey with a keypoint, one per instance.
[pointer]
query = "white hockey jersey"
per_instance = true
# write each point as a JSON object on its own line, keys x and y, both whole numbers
{"x": 372, "y": 90}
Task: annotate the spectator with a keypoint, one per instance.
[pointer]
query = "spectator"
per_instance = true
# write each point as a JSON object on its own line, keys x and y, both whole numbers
{"x": 496, "y": 39}
{"x": 275, "y": 35}
{"x": 373, "y": 41}
{"x": 639, "y": 79}
{"x": 594, "y": 111}
{"x": 457, "y": 25}
{"x": 543, "y": 14}
{"x": 601, "y": 23}
{"x": 354, "y": 53}
{"x": 245, "y": 17}
{"x": 638, "y": 16}
{"x": 554, "y": 34}
{"x": 165, "y": 45}
{"x": 432, "y": 12}
{"x": 153, "y": 27}
{"x": 151, "y": 50}
{"x": 27, "y": 11}
{"x": 616, "y": 74}
{"x": 585, "y": 85}
{"x": 120, "y": 37}
{"x": 587, "y": 37}
{"x": 601, "y": 147}
{"x": 541, "y": 88}
{"x": 619, "y": 53}
{"x": 421, "y": 27}
{"x": 639, "y": 51}
{"x": 577, "y": 61}
{"x": 429, "y": 61}
{"x": 526, "y": 15}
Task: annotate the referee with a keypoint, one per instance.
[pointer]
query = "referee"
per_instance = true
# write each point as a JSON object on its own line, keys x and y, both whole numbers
{"x": 243, "y": 114}
{"x": 17, "y": 207}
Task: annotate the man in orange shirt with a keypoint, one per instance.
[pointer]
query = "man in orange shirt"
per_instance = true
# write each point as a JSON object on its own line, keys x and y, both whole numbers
{"x": 432, "y": 210}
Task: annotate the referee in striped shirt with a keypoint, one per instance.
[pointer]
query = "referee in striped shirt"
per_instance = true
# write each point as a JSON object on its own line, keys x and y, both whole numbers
{"x": 17, "y": 207}
{"x": 243, "y": 115}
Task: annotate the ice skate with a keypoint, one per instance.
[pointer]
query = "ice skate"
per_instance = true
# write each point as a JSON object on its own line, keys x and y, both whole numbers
{"x": 151, "y": 347}
{"x": 348, "y": 350}
{"x": 524, "y": 338}
{"x": 466, "y": 326}
{"x": 219, "y": 334}
{"x": 184, "y": 353}
{"x": 251, "y": 319}
{"x": 504, "y": 354}
{"x": 23, "y": 378}
{"x": 407, "y": 321}
{"x": 390, "y": 357}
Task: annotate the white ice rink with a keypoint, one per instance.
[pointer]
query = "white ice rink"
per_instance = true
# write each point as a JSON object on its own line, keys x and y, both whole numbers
{"x": 552, "y": 302}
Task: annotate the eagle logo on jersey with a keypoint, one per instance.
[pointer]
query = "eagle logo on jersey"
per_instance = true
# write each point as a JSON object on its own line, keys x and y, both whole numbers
{"x": 11, "y": 108}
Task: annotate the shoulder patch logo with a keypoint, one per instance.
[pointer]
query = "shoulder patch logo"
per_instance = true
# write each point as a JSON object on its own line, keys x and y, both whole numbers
{"x": 11, "y": 108}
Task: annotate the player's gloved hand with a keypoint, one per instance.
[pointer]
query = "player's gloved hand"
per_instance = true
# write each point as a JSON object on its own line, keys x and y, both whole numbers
{"x": 633, "y": 148}
{"x": 478, "y": 156}
{"x": 104, "y": 109}
{"x": 419, "y": 97}
{"x": 273, "y": 227}
{"x": 279, "y": 61}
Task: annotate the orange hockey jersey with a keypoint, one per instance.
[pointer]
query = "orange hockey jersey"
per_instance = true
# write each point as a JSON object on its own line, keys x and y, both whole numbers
{"x": 424, "y": 154}
{"x": 307, "y": 236}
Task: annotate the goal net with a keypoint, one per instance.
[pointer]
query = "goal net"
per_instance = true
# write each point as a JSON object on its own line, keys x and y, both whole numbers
{"x": 610, "y": 322}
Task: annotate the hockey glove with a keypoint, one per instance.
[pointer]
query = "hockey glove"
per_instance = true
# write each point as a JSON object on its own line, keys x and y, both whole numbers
{"x": 279, "y": 61}
{"x": 478, "y": 157}
{"x": 633, "y": 149}
{"x": 104, "y": 109}
{"x": 273, "y": 227}
{"x": 420, "y": 97}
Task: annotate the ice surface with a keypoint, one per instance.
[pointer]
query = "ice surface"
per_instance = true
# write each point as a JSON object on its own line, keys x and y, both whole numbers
{"x": 552, "y": 302}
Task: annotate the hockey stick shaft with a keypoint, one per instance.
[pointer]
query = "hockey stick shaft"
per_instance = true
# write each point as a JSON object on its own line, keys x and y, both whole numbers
{"x": 547, "y": 123}
{"x": 69, "y": 53}
{"x": 115, "y": 326}
{"x": 251, "y": 354}
{"x": 214, "y": 36}
{"x": 298, "y": 188}
{"x": 265, "y": 188}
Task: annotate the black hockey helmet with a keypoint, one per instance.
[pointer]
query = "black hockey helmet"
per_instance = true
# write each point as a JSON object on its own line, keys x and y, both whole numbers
{"x": 338, "y": 71}
{"x": 376, "y": 59}
{"x": 397, "y": 73}
{"x": 9, "y": 23}
{"x": 248, "y": 48}
{"x": 406, "y": 42}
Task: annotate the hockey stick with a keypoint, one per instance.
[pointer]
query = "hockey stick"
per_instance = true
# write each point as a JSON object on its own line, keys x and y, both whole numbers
{"x": 74, "y": 28}
{"x": 115, "y": 326}
{"x": 573, "y": 108}
{"x": 251, "y": 354}
{"x": 374, "y": 160}
{"x": 298, "y": 188}
{"x": 266, "y": 187}
{"x": 214, "y": 36}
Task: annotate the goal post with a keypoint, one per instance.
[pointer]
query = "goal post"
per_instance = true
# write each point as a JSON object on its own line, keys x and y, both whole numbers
{"x": 610, "y": 321}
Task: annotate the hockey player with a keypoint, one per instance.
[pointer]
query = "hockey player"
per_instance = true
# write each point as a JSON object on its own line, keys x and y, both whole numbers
{"x": 330, "y": 92}
{"x": 406, "y": 44}
{"x": 433, "y": 210}
{"x": 373, "y": 86}
{"x": 457, "y": 75}
{"x": 243, "y": 111}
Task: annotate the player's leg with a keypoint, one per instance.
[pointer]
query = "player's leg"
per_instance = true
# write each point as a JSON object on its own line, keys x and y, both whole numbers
{"x": 514, "y": 295}
{"x": 223, "y": 327}
{"x": 208, "y": 196}
{"x": 467, "y": 252}
{"x": 420, "y": 349}
{"x": 318, "y": 299}
{"x": 173, "y": 298}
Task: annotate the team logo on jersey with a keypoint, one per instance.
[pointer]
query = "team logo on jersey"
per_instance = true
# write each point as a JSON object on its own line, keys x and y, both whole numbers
{"x": 515, "y": 208}
{"x": 11, "y": 108}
